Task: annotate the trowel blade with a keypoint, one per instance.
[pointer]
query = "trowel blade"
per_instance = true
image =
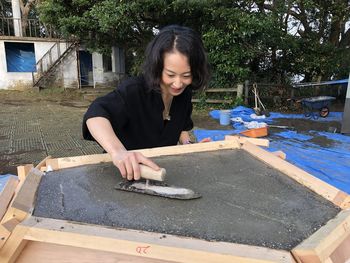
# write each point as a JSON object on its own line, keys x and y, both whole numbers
{"x": 158, "y": 189}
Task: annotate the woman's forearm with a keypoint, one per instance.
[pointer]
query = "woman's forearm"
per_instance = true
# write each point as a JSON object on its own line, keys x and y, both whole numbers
{"x": 102, "y": 131}
{"x": 127, "y": 162}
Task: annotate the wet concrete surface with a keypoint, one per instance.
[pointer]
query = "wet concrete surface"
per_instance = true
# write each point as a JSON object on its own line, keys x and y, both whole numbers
{"x": 243, "y": 201}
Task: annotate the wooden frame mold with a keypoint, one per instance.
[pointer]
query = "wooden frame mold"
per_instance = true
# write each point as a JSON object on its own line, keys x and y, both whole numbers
{"x": 26, "y": 238}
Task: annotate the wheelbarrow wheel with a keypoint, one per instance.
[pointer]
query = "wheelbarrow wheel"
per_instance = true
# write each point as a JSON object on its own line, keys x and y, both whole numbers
{"x": 324, "y": 112}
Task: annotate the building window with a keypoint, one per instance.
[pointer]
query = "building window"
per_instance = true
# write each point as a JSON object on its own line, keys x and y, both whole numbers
{"x": 20, "y": 57}
{"x": 107, "y": 63}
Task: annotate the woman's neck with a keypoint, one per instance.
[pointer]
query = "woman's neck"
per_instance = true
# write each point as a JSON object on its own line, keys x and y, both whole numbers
{"x": 166, "y": 96}
{"x": 167, "y": 101}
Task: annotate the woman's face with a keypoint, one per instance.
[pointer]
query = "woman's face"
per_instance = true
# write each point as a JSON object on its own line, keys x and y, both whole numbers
{"x": 176, "y": 74}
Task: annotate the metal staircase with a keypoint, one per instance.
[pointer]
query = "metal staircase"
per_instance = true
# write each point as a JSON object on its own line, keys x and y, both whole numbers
{"x": 53, "y": 57}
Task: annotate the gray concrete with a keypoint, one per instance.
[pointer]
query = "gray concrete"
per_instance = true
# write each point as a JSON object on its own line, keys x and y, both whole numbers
{"x": 243, "y": 201}
{"x": 29, "y": 133}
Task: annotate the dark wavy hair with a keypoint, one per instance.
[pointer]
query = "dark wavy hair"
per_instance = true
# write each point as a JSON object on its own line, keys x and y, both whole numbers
{"x": 184, "y": 40}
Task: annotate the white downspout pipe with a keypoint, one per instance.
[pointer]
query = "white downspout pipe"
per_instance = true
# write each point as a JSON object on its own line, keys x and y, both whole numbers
{"x": 345, "y": 127}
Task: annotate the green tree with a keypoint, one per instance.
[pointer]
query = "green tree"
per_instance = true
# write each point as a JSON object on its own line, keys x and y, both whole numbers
{"x": 240, "y": 44}
{"x": 321, "y": 35}
{"x": 260, "y": 40}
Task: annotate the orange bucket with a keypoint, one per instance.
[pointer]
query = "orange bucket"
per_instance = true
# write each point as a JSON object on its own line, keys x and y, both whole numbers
{"x": 257, "y": 132}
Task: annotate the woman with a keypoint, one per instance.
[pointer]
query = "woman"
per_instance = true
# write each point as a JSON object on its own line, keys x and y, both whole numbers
{"x": 152, "y": 110}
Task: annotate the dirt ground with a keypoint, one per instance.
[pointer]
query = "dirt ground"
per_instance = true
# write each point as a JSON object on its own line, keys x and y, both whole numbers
{"x": 71, "y": 98}
{"x": 71, "y": 102}
{"x": 201, "y": 118}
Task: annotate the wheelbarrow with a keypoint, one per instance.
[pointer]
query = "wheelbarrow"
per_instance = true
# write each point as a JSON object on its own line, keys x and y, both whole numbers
{"x": 320, "y": 104}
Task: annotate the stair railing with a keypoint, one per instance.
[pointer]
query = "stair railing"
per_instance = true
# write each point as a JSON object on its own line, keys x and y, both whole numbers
{"x": 48, "y": 60}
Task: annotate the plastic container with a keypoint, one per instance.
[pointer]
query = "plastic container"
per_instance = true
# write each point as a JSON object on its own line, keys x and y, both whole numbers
{"x": 225, "y": 117}
{"x": 257, "y": 132}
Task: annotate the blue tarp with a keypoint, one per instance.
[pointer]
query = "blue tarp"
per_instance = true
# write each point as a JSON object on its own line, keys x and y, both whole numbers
{"x": 329, "y": 163}
{"x": 20, "y": 57}
{"x": 336, "y": 82}
{"x": 329, "y": 82}
{"x": 3, "y": 180}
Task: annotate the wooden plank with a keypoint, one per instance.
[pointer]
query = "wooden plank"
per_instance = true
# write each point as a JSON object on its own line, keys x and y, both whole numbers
{"x": 342, "y": 252}
{"x": 25, "y": 197}
{"x": 14, "y": 213}
{"x": 22, "y": 203}
{"x": 68, "y": 162}
{"x": 6, "y": 229}
{"x": 320, "y": 187}
{"x": 146, "y": 244}
{"x": 330, "y": 242}
{"x": 14, "y": 245}
{"x": 6, "y": 194}
{"x": 40, "y": 252}
{"x": 280, "y": 154}
{"x": 191, "y": 148}
{"x": 243, "y": 139}
{"x": 43, "y": 163}
{"x": 23, "y": 170}
{"x": 214, "y": 101}
{"x": 214, "y": 90}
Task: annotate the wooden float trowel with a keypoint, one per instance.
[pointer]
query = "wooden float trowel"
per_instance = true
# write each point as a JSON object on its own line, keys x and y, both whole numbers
{"x": 152, "y": 184}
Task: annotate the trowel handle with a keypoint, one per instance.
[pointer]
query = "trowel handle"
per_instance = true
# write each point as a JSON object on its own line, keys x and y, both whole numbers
{"x": 149, "y": 173}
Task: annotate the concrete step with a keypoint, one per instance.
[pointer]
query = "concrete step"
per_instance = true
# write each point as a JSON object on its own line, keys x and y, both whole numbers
{"x": 91, "y": 90}
{"x": 90, "y": 94}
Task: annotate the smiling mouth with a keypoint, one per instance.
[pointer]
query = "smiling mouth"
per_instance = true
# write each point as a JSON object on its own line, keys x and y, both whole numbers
{"x": 176, "y": 90}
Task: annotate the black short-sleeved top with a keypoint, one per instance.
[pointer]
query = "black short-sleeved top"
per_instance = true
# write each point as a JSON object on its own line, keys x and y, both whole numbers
{"x": 136, "y": 115}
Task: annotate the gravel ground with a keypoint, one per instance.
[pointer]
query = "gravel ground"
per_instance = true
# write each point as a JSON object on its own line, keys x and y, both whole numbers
{"x": 36, "y": 124}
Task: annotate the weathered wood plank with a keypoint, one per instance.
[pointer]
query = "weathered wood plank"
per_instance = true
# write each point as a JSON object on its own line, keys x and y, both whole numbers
{"x": 6, "y": 229}
{"x": 14, "y": 245}
{"x": 329, "y": 243}
{"x": 25, "y": 197}
{"x": 146, "y": 244}
{"x": 6, "y": 194}
{"x": 40, "y": 252}
{"x": 242, "y": 139}
{"x": 220, "y": 90}
{"x": 214, "y": 101}
{"x": 68, "y": 162}
{"x": 320, "y": 187}
{"x": 23, "y": 170}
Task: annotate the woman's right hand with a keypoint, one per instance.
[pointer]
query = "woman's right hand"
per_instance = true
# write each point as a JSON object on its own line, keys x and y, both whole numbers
{"x": 128, "y": 163}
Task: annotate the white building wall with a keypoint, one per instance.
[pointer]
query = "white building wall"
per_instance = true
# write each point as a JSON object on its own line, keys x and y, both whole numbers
{"x": 69, "y": 69}
{"x": 20, "y": 80}
{"x": 66, "y": 73}
{"x": 9, "y": 80}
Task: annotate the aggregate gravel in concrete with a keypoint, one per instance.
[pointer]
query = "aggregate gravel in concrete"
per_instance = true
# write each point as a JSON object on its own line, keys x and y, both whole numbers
{"x": 243, "y": 201}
